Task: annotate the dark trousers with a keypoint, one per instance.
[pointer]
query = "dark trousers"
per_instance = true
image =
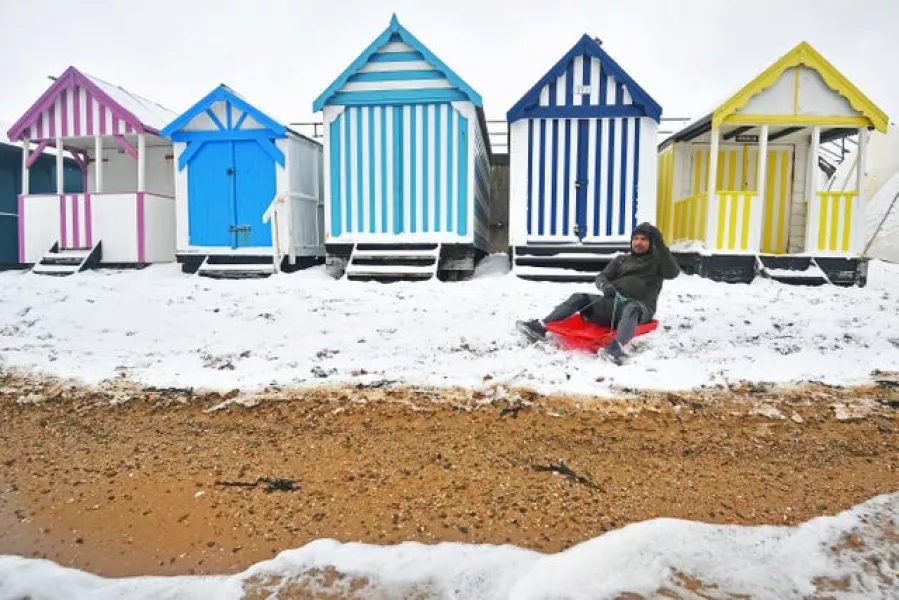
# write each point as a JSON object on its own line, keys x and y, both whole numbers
{"x": 601, "y": 310}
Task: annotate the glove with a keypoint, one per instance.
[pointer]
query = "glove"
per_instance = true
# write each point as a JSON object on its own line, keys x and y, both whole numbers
{"x": 608, "y": 290}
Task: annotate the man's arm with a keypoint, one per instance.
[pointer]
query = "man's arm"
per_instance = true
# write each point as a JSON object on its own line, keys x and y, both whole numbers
{"x": 608, "y": 274}
{"x": 667, "y": 264}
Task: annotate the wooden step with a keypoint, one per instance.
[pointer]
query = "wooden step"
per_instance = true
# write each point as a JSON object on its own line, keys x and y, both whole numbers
{"x": 554, "y": 274}
{"x": 236, "y": 270}
{"x": 67, "y": 261}
{"x": 51, "y": 269}
{"x": 65, "y": 257}
{"x": 401, "y": 253}
{"x": 412, "y": 261}
{"x": 792, "y": 270}
{"x": 389, "y": 270}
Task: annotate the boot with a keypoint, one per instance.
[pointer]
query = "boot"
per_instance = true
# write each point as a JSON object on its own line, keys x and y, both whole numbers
{"x": 533, "y": 330}
{"x": 613, "y": 353}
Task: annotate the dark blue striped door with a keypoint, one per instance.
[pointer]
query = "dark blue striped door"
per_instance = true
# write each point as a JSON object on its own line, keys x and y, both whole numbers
{"x": 581, "y": 185}
{"x": 582, "y": 177}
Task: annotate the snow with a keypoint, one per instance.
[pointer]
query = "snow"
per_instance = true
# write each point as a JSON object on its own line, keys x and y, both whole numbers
{"x": 590, "y": 255}
{"x": 660, "y": 557}
{"x": 811, "y": 272}
{"x": 882, "y": 222}
{"x": 161, "y": 327}
{"x": 165, "y": 328}
{"x": 146, "y": 111}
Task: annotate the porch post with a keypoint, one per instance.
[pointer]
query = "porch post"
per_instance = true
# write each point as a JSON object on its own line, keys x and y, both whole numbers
{"x": 141, "y": 162}
{"x": 26, "y": 172}
{"x": 756, "y": 231}
{"x": 813, "y": 206}
{"x": 60, "y": 173}
{"x": 98, "y": 164}
{"x": 711, "y": 226}
{"x": 857, "y": 234}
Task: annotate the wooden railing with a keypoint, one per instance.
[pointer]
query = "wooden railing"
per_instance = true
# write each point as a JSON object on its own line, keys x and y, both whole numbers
{"x": 297, "y": 221}
{"x": 736, "y": 218}
{"x": 690, "y": 216}
{"x": 278, "y": 213}
{"x": 736, "y": 226}
{"x": 830, "y": 222}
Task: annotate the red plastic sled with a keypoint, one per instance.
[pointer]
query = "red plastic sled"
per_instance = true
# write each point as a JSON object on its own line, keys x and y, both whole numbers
{"x": 574, "y": 333}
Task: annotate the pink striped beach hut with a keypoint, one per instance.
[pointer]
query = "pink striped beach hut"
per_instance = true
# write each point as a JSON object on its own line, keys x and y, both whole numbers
{"x": 126, "y": 214}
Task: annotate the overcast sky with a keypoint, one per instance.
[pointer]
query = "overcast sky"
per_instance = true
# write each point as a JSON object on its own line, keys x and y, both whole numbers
{"x": 280, "y": 54}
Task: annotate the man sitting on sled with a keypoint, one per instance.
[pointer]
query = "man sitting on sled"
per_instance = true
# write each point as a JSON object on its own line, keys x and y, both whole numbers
{"x": 630, "y": 287}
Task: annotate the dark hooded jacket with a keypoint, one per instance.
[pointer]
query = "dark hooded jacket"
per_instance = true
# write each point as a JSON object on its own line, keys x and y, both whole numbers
{"x": 639, "y": 276}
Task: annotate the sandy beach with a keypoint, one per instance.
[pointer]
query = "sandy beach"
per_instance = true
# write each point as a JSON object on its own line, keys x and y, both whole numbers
{"x": 125, "y": 480}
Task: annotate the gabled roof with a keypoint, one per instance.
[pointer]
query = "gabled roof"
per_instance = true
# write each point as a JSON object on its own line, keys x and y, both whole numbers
{"x": 804, "y": 55}
{"x": 223, "y": 93}
{"x": 139, "y": 113}
{"x": 395, "y": 32}
{"x": 151, "y": 114}
{"x": 587, "y": 46}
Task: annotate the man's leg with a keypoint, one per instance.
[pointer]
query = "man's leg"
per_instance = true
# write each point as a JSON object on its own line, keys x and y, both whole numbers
{"x": 574, "y": 303}
{"x": 535, "y": 329}
{"x": 631, "y": 316}
{"x": 632, "y": 313}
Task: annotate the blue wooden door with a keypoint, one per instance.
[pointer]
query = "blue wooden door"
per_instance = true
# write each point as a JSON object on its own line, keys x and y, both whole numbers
{"x": 211, "y": 192}
{"x": 254, "y": 192}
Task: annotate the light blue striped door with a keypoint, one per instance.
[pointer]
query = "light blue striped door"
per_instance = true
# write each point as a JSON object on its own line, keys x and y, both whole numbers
{"x": 398, "y": 170}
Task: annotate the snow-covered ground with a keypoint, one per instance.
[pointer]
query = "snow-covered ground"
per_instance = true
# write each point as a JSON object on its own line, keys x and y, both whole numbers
{"x": 850, "y": 555}
{"x": 164, "y": 328}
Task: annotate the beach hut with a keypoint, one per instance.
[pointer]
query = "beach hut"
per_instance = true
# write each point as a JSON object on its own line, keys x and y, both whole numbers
{"x": 582, "y": 166}
{"x": 740, "y": 189}
{"x": 407, "y": 165}
{"x": 247, "y": 190}
{"x": 126, "y": 215}
{"x": 42, "y": 180}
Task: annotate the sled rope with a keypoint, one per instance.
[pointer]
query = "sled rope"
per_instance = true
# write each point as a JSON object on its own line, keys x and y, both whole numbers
{"x": 619, "y": 299}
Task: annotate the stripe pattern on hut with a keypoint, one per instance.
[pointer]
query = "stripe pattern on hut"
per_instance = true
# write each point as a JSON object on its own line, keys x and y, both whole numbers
{"x": 406, "y": 155}
{"x": 558, "y": 168}
{"x": 77, "y": 112}
{"x": 399, "y": 169}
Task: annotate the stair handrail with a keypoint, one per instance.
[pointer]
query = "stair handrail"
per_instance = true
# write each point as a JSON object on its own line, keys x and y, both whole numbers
{"x": 278, "y": 211}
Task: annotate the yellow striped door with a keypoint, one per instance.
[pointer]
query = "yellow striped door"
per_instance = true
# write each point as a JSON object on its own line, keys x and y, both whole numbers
{"x": 778, "y": 191}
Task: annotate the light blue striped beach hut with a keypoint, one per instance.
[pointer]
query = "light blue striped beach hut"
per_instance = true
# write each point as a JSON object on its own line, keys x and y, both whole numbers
{"x": 582, "y": 162}
{"x": 407, "y": 164}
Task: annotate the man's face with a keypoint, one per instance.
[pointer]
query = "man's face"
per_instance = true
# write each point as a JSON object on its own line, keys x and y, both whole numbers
{"x": 640, "y": 244}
